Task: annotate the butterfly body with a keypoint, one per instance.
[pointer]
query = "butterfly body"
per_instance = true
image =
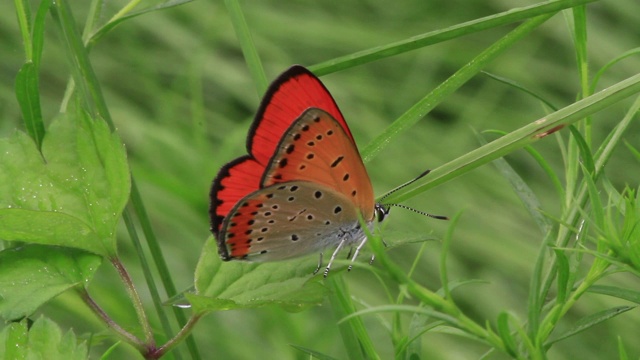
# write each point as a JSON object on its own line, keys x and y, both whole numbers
{"x": 303, "y": 186}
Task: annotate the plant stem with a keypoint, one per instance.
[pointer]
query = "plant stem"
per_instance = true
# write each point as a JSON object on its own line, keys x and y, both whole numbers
{"x": 137, "y": 302}
{"x": 124, "y": 334}
{"x": 181, "y": 335}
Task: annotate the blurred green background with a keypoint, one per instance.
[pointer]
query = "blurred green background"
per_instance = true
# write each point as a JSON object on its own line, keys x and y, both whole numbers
{"x": 180, "y": 94}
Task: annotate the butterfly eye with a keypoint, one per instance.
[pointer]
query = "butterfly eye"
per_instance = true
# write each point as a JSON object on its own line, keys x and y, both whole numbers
{"x": 381, "y": 212}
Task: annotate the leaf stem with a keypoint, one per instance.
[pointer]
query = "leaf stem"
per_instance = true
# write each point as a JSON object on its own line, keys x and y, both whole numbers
{"x": 181, "y": 335}
{"x": 124, "y": 334}
{"x": 135, "y": 298}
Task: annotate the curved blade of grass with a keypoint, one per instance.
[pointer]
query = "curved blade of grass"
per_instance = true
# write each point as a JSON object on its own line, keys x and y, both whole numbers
{"x": 404, "y": 308}
{"x": 455, "y": 81}
{"x": 615, "y": 291}
{"x": 521, "y": 87}
{"x": 249, "y": 50}
{"x": 354, "y": 334}
{"x": 313, "y": 354}
{"x": 434, "y": 37}
{"x": 120, "y": 17}
{"x": 524, "y": 136}
{"x": 590, "y": 321}
{"x": 524, "y": 192}
{"x": 596, "y": 77}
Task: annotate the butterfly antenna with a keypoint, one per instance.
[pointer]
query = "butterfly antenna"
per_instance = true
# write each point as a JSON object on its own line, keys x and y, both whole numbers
{"x": 404, "y": 185}
{"x": 439, "y": 217}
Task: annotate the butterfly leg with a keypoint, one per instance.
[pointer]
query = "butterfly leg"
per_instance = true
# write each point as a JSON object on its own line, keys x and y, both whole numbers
{"x": 333, "y": 256}
{"x": 319, "y": 265}
{"x": 350, "y": 252}
{"x": 355, "y": 255}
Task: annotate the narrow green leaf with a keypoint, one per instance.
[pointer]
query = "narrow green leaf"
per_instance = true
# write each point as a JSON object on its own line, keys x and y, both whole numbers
{"x": 585, "y": 151}
{"x": 590, "y": 321}
{"x": 446, "y": 242}
{"x": 505, "y": 333}
{"x": 434, "y": 37}
{"x": 313, "y": 354}
{"x": 524, "y": 136}
{"x": 626, "y": 54}
{"x": 251, "y": 56}
{"x": 536, "y": 298}
{"x": 524, "y": 192}
{"x": 405, "y": 308}
{"x": 31, "y": 275}
{"x": 23, "y": 12}
{"x": 355, "y": 336}
{"x": 621, "y": 293}
{"x": 28, "y": 95}
{"x": 113, "y": 23}
{"x": 522, "y": 88}
{"x": 622, "y": 353}
{"x": 38, "y": 31}
{"x": 564, "y": 273}
{"x": 445, "y": 89}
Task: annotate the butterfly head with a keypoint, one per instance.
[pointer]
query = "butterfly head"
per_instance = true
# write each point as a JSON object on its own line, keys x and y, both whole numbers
{"x": 381, "y": 211}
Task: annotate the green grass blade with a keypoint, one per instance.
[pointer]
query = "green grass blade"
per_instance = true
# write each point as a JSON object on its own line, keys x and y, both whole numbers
{"x": 524, "y": 192}
{"x": 354, "y": 334}
{"x": 434, "y": 37}
{"x": 617, "y": 59}
{"x": 445, "y": 89}
{"x": 618, "y": 292}
{"x": 590, "y": 321}
{"x": 123, "y": 16}
{"x": 522, "y": 137}
{"x": 248, "y": 47}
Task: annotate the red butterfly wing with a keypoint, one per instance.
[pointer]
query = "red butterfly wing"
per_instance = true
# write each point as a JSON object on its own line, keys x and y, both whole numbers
{"x": 293, "y": 92}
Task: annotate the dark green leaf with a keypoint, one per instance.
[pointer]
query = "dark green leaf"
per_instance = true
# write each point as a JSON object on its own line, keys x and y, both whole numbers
{"x": 28, "y": 95}
{"x": 505, "y": 333}
{"x": 31, "y": 275}
{"x": 563, "y": 274}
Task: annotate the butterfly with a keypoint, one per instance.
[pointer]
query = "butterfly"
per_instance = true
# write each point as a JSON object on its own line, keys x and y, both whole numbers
{"x": 302, "y": 187}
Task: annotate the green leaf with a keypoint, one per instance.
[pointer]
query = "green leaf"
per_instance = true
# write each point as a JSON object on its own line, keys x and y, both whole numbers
{"x": 620, "y": 293}
{"x": 44, "y": 340}
{"x": 505, "y": 333}
{"x": 564, "y": 273}
{"x": 313, "y": 354}
{"x": 237, "y": 284}
{"x": 591, "y": 320}
{"x": 28, "y": 95}
{"x": 113, "y": 23}
{"x": 524, "y": 192}
{"x": 31, "y": 275}
{"x": 70, "y": 195}
{"x": 13, "y": 340}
